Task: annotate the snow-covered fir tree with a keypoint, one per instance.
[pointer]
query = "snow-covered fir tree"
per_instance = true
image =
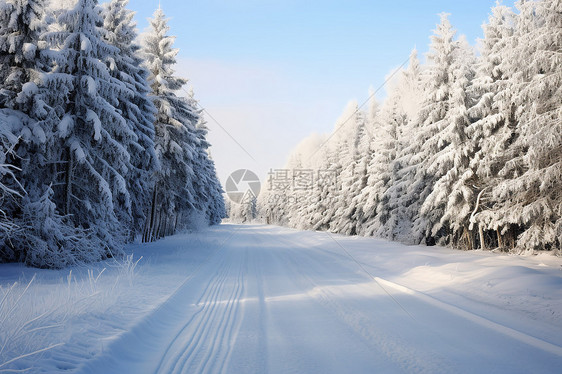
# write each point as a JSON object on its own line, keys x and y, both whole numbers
{"x": 433, "y": 119}
{"x": 208, "y": 190}
{"x": 94, "y": 159}
{"x": 11, "y": 189}
{"x": 43, "y": 238}
{"x": 175, "y": 137}
{"x": 136, "y": 107}
{"x": 243, "y": 212}
{"x": 470, "y": 191}
{"x": 390, "y": 171}
{"x": 20, "y": 27}
{"x": 451, "y": 160}
{"x": 297, "y": 188}
{"x": 525, "y": 203}
{"x": 78, "y": 158}
{"x": 21, "y": 24}
{"x": 348, "y": 213}
{"x": 180, "y": 145}
{"x": 341, "y": 151}
{"x": 384, "y": 147}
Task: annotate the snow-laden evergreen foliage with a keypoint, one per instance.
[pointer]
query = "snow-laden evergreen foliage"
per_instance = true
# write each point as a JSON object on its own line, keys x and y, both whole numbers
{"x": 387, "y": 198}
{"x": 179, "y": 191}
{"x": 384, "y": 152}
{"x": 448, "y": 155}
{"x": 136, "y": 107}
{"x": 525, "y": 196}
{"x": 465, "y": 150}
{"x": 21, "y": 25}
{"x": 347, "y": 210}
{"x": 244, "y": 212}
{"x": 208, "y": 190}
{"x": 92, "y": 190}
{"x": 25, "y": 95}
{"x": 11, "y": 189}
{"x": 78, "y": 159}
{"x": 489, "y": 131}
{"x": 434, "y": 119}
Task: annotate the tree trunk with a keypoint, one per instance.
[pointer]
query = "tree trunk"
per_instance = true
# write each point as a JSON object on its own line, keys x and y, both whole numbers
{"x": 155, "y": 226}
{"x": 500, "y": 240}
{"x": 149, "y": 229}
{"x": 510, "y": 242}
{"x": 178, "y": 217}
{"x": 161, "y": 225}
{"x": 482, "y": 240}
{"x": 469, "y": 239}
{"x": 68, "y": 182}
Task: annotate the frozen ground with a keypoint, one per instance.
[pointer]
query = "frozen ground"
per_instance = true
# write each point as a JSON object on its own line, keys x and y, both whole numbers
{"x": 264, "y": 299}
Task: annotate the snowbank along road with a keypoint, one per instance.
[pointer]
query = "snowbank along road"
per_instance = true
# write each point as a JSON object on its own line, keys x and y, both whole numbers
{"x": 265, "y": 299}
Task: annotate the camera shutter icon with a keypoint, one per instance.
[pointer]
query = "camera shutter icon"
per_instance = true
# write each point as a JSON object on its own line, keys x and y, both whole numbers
{"x": 243, "y": 185}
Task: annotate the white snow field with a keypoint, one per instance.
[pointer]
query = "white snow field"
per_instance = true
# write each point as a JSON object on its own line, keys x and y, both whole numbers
{"x": 265, "y": 299}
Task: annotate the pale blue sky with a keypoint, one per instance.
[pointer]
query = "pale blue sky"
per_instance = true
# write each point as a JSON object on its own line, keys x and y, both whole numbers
{"x": 272, "y": 72}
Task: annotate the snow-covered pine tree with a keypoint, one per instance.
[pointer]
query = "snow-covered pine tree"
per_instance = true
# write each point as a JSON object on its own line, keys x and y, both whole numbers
{"x": 216, "y": 204}
{"x": 395, "y": 221}
{"x": 21, "y": 67}
{"x": 446, "y": 209}
{"x": 11, "y": 190}
{"x": 384, "y": 147}
{"x": 526, "y": 204}
{"x": 43, "y": 238}
{"x": 300, "y": 185}
{"x": 326, "y": 183}
{"x": 136, "y": 107}
{"x": 249, "y": 209}
{"x": 244, "y": 212}
{"x": 91, "y": 190}
{"x": 26, "y": 70}
{"x": 297, "y": 195}
{"x": 428, "y": 142}
{"x": 487, "y": 135}
{"x": 271, "y": 202}
{"x": 209, "y": 199}
{"x": 354, "y": 174}
{"x": 266, "y": 208}
{"x": 341, "y": 151}
{"x": 20, "y": 26}
{"x": 175, "y": 138}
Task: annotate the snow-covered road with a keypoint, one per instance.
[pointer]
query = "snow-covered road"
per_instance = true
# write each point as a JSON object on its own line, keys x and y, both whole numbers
{"x": 265, "y": 299}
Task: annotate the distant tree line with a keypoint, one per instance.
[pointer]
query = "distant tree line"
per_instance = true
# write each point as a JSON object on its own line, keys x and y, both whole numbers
{"x": 466, "y": 150}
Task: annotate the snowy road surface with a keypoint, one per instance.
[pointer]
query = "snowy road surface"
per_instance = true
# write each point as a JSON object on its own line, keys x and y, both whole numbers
{"x": 272, "y": 300}
{"x": 265, "y": 299}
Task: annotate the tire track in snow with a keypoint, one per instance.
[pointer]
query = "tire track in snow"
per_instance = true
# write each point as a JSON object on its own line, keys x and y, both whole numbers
{"x": 176, "y": 351}
{"x": 258, "y": 263}
{"x": 225, "y": 336}
{"x": 139, "y": 350}
{"x": 204, "y": 343}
